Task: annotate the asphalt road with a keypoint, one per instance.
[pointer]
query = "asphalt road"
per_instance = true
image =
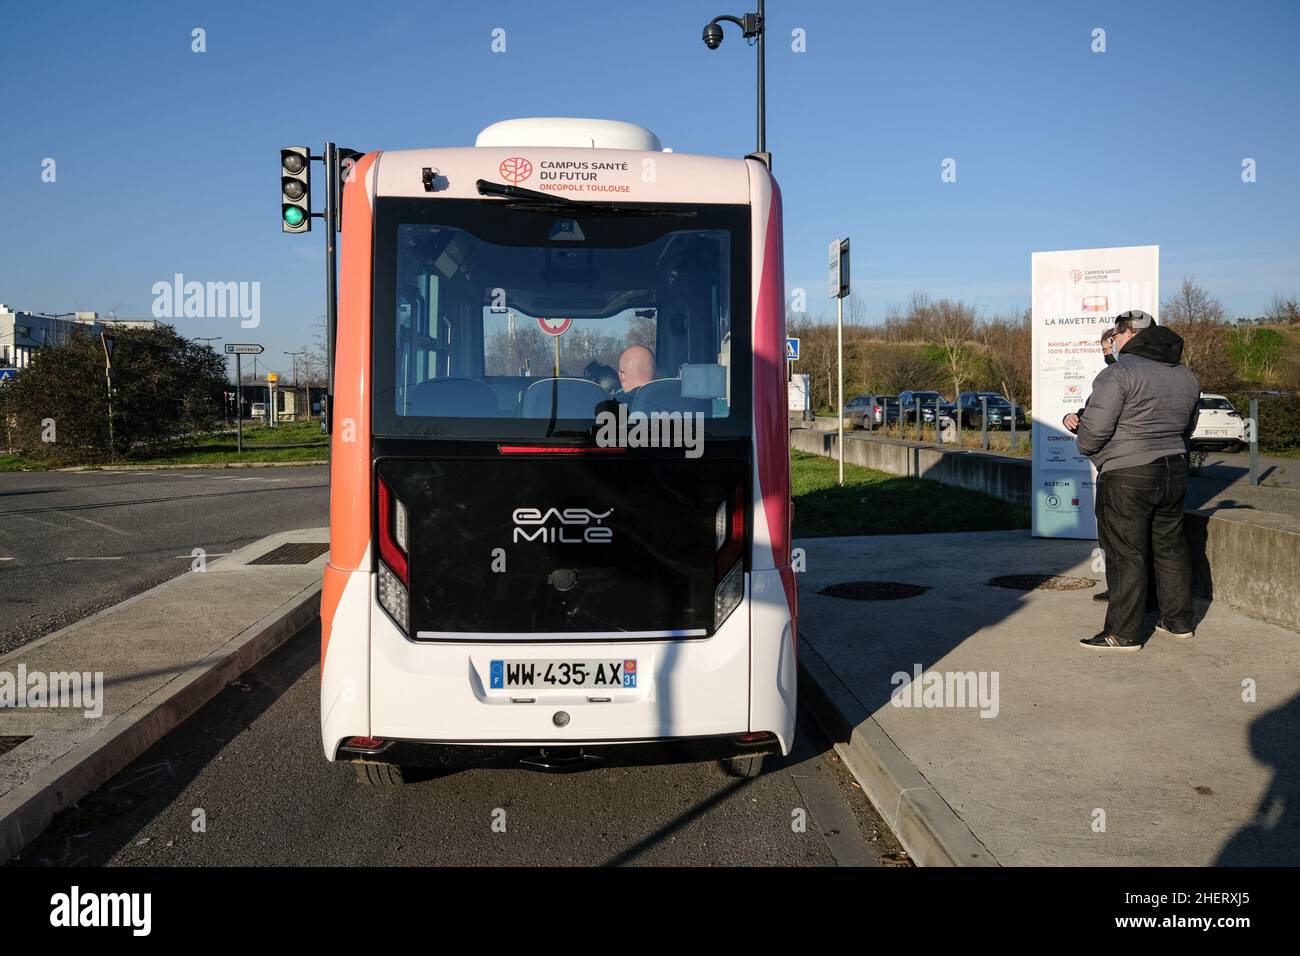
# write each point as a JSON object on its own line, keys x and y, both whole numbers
{"x": 74, "y": 542}
{"x": 249, "y": 765}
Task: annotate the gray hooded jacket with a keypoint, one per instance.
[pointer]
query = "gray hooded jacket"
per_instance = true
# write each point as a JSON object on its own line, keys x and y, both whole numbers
{"x": 1143, "y": 407}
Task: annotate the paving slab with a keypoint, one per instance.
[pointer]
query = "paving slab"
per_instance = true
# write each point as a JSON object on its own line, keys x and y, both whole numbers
{"x": 1184, "y": 753}
{"x": 134, "y": 671}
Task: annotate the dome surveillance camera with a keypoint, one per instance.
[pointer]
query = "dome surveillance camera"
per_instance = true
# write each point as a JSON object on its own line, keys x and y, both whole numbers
{"x": 713, "y": 36}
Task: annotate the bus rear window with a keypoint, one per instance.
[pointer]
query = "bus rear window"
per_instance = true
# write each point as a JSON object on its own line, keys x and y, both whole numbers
{"x": 493, "y": 321}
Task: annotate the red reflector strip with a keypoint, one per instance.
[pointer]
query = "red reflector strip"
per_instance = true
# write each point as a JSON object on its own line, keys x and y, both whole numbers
{"x": 365, "y": 743}
{"x": 389, "y": 551}
{"x": 558, "y": 450}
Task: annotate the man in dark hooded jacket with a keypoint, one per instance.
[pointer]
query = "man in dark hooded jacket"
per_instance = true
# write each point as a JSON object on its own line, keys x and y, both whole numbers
{"x": 1135, "y": 429}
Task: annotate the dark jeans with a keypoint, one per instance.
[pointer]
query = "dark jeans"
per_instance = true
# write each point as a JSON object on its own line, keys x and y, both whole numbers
{"x": 1099, "y": 504}
{"x": 1143, "y": 509}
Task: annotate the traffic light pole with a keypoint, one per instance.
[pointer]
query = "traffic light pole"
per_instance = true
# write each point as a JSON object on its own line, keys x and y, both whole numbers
{"x": 331, "y": 275}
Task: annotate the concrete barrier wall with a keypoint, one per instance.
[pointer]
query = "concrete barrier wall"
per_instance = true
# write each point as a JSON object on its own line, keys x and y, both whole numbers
{"x": 1246, "y": 558}
{"x": 1005, "y": 478}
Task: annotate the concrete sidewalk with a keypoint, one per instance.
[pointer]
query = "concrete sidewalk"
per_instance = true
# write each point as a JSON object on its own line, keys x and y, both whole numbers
{"x": 161, "y": 654}
{"x": 1149, "y": 758}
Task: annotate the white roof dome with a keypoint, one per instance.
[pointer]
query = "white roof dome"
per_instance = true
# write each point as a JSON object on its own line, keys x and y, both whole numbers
{"x": 569, "y": 131}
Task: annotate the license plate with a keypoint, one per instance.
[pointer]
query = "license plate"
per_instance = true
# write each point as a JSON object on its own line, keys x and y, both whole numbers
{"x": 505, "y": 675}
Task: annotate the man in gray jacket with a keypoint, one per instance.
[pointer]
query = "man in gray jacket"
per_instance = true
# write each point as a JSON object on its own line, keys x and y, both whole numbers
{"x": 1135, "y": 429}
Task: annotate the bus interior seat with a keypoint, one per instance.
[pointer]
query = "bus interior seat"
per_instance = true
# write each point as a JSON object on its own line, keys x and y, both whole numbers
{"x": 573, "y": 398}
{"x": 454, "y": 398}
{"x": 665, "y": 395}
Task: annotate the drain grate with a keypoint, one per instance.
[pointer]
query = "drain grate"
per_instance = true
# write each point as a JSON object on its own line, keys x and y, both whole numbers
{"x": 293, "y": 554}
{"x": 1041, "y": 582}
{"x": 872, "y": 590}
{"x": 9, "y": 743}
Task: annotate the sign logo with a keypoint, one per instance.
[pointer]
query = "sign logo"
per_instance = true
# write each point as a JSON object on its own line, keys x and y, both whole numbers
{"x": 1095, "y": 303}
{"x": 562, "y": 526}
{"x": 515, "y": 169}
{"x": 1076, "y": 275}
{"x": 554, "y": 327}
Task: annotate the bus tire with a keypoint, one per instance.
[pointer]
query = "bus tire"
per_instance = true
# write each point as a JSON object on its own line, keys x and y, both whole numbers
{"x": 379, "y": 774}
{"x": 747, "y": 768}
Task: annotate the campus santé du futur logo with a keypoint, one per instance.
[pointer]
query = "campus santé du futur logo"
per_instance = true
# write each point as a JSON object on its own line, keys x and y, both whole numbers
{"x": 515, "y": 169}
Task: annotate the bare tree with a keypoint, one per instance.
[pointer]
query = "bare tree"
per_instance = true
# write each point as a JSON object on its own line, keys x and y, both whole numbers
{"x": 953, "y": 330}
{"x": 1199, "y": 318}
{"x": 1007, "y": 343}
{"x": 1283, "y": 310}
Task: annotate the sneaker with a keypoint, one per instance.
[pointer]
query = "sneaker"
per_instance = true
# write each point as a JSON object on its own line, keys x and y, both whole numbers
{"x": 1102, "y": 596}
{"x": 1165, "y": 629}
{"x": 1110, "y": 642}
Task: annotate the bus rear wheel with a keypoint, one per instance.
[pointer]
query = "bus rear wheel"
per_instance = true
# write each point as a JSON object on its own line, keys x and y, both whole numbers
{"x": 744, "y": 767}
{"x": 379, "y": 774}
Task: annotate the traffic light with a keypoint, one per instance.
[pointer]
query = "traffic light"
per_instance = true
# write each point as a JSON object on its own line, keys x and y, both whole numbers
{"x": 295, "y": 189}
{"x": 346, "y": 160}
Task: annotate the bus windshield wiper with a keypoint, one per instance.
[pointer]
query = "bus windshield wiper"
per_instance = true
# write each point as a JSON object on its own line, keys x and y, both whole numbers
{"x": 507, "y": 191}
{"x": 517, "y": 197}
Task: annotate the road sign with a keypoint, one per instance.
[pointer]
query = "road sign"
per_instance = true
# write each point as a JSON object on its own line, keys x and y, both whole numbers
{"x": 235, "y": 348}
{"x": 555, "y": 327}
{"x": 272, "y": 377}
{"x": 792, "y": 350}
{"x": 839, "y": 268}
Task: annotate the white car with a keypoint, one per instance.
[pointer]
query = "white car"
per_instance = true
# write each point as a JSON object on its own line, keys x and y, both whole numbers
{"x": 1218, "y": 424}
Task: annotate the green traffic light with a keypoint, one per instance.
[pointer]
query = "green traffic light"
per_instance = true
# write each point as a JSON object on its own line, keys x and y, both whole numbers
{"x": 294, "y": 216}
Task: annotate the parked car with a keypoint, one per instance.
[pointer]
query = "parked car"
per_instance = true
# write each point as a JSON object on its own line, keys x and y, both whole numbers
{"x": 855, "y": 410}
{"x": 1218, "y": 424}
{"x": 907, "y": 403}
{"x": 971, "y": 408}
{"x": 870, "y": 411}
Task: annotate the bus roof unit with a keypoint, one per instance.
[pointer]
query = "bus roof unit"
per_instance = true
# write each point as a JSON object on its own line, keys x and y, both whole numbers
{"x": 569, "y": 131}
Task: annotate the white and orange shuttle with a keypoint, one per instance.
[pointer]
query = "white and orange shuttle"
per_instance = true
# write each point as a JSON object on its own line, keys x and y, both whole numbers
{"x": 511, "y": 581}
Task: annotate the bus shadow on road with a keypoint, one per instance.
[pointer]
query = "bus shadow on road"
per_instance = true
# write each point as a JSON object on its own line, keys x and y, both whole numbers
{"x": 99, "y": 826}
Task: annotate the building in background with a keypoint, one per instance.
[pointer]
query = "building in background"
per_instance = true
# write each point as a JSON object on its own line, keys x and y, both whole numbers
{"x": 24, "y": 333}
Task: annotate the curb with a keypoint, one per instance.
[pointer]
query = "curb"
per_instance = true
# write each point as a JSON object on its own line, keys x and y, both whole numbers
{"x": 929, "y": 829}
{"x": 76, "y": 469}
{"x": 27, "y": 810}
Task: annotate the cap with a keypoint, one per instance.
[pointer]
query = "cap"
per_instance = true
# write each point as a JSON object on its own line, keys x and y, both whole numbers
{"x": 1136, "y": 319}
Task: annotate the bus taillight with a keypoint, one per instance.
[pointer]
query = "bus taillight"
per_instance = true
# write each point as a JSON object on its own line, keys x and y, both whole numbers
{"x": 729, "y": 531}
{"x": 730, "y": 568}
{"x": 394, "y": 570}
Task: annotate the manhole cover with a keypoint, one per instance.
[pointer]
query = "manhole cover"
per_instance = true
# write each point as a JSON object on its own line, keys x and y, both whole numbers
{"x": 293, "y": 554}
{"x": 1041, "y": 582}
{"x": 872, "y": 590}
{"x": 9, "y": 743}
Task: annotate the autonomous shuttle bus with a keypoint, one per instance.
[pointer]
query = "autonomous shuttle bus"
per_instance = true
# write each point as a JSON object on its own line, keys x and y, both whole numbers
{"x": 560, "y": 491}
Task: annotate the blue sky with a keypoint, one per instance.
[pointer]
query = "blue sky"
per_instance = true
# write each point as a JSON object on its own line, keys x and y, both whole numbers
{"x": 167, "y": 160}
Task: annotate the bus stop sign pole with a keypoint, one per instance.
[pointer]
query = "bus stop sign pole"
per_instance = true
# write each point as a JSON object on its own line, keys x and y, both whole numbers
{"x": 239, "y": 405}
{"x": 839, "y": 288}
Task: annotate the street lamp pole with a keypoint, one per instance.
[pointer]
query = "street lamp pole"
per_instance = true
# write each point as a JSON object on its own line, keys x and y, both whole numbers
{"x": 752, "y": 26}
{"x": 293, "y": 358}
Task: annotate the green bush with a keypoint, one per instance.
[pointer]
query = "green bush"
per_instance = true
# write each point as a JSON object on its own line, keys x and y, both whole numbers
{"x": 1279, "y": 420}
{"x": 56, "y": 409}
